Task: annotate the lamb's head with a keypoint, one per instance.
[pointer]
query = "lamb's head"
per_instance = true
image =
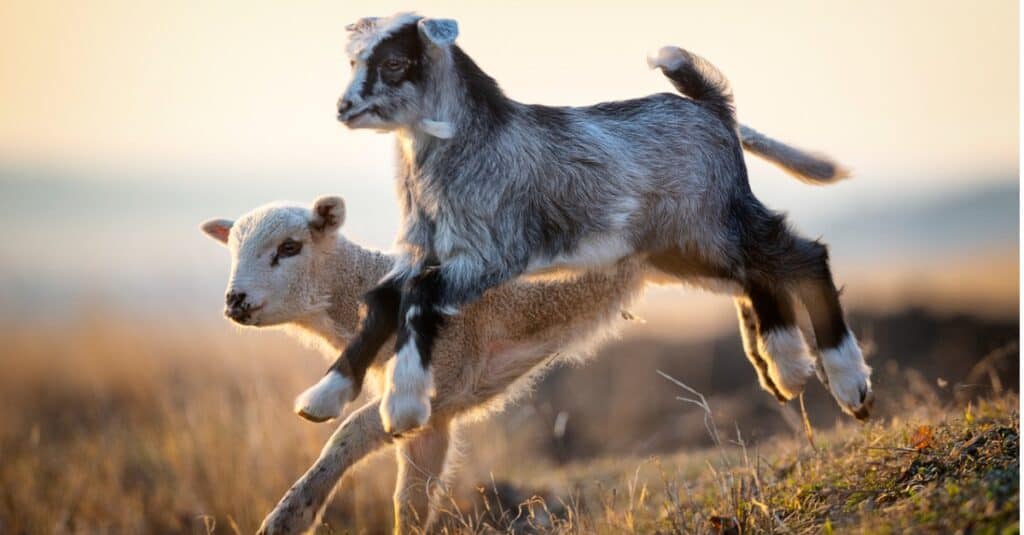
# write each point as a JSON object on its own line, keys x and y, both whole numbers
{"x": 397, "y": 63}
{"x": 276, "y": 256}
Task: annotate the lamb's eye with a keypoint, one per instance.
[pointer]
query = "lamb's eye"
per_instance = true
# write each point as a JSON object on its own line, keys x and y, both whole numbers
{"x": 288, "y": 248}
{"x": 394, "y": 64}
{"x": 352, "y": 63}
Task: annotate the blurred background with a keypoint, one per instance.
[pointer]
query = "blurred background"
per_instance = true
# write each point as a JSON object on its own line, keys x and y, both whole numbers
{"x": 123, "y": 125}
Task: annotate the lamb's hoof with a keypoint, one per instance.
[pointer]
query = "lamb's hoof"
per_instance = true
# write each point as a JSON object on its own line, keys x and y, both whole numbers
{"x": 849, "y": 378}
{"x": 277, "y": 523}
{"x": 404, "y": 412}
{"x": 326, "y": 399}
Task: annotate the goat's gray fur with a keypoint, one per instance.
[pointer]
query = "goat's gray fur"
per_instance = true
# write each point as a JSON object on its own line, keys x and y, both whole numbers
{"x": 513, "y": 189}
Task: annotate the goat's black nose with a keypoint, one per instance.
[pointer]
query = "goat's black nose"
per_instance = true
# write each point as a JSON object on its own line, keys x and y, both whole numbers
{"x": 343, "y": 105}
{"x": 234, "y": 299}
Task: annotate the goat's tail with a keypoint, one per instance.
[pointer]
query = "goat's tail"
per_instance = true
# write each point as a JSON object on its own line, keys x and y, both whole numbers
{"x": 698, "y": 79}
{"x": 808, "y": 167}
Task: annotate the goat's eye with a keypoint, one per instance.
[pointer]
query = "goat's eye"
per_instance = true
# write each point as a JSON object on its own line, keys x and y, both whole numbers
{"x": 352, "y": 63}
{"x": 394, "y": 64}
{"x": 289, "y": 248}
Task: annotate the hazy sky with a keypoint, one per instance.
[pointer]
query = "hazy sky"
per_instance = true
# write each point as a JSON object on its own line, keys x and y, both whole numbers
{"x": 151, "y": 116}
{"x": 922, "y": 89}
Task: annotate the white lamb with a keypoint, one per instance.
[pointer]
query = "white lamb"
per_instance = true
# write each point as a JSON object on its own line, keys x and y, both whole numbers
{"x": 291, "y": 269}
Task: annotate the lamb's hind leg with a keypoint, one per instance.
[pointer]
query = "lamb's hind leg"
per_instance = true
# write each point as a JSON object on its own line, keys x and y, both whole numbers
{"x": 360, "y": 434}
{"x": 421, "y": 472}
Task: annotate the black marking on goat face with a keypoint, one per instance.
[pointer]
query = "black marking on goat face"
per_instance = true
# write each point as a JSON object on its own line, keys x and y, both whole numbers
{"x": 395, "y": 60}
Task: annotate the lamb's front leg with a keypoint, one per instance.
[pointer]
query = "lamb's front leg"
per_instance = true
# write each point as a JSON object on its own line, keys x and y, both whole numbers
{"x": 360, "y": 435}
{"x": 428, "y": 298}
{"x": 344, "y": 379}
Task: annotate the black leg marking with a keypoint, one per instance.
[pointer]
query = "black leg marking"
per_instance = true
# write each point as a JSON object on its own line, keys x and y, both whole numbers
{"x": 822, "y": 301}
{"x": 380, "y": 322}
{"x": 419, "y": 315}
{"x": 774, "y": 309}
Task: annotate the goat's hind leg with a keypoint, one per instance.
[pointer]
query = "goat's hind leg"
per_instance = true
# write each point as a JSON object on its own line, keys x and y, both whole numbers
{"x": 748, "y": 333}
{"x": 750, "y": 307}
{"x": 847, "y": 376}
{"x": 779, "y": 340}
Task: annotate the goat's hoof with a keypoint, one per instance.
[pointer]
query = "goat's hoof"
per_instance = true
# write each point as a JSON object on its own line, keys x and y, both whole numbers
{"x": 280, "y": 524}
{"x": 849, "y": 378}
{"x": 326, "y": 399}
{"x": 404, "y": 412}
{"x": 854, "y": 396}
{"x": 789, "y": 363}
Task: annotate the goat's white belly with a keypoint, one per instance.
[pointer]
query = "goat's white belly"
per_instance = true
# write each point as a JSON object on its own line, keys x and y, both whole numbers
{"x": 593, "y": 252}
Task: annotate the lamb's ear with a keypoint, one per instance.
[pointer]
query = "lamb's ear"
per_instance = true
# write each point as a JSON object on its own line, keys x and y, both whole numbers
{"x": 328, "y": 214}
{"x": 218, "y": 229}
{"x": 438, "y": 32}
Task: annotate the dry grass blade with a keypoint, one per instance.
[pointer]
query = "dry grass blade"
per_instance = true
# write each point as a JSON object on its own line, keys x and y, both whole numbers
{"x": 701, "y": 402}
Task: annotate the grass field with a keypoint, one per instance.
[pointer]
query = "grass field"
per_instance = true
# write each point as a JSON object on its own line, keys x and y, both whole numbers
{"x": 123, "y": 427}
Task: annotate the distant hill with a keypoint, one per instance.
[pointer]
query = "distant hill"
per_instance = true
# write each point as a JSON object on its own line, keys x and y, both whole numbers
{"x": 957, "y": 223}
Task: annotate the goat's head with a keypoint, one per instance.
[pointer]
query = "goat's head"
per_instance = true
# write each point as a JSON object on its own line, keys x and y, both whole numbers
{"x": 276, "y": 252}
{"x": 392, "y": 61}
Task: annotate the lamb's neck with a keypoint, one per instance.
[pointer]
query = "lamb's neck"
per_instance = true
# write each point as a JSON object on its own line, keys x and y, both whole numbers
{"x": 344, "y": 275}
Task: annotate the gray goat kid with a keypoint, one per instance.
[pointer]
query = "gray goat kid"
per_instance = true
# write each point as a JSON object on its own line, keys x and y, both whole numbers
{"x": 491, "y": 189}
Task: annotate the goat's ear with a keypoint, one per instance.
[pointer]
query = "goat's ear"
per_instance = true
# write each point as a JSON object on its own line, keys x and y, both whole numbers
{"x": 218, "y": 229}
{"x": 439, "y": 32}
{"x": 328, "y": 214}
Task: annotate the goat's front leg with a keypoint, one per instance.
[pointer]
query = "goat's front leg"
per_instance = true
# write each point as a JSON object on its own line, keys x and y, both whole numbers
{"x": 428, "y": 298}
{"x": 360, "y": 435}
{"x": 421, "y": 471}
{"x": 344, "y": 379}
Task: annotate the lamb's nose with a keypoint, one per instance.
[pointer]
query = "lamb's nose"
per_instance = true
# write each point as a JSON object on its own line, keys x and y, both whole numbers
{"x": 234, "y": 299}
{"x": 343, "y": 105}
